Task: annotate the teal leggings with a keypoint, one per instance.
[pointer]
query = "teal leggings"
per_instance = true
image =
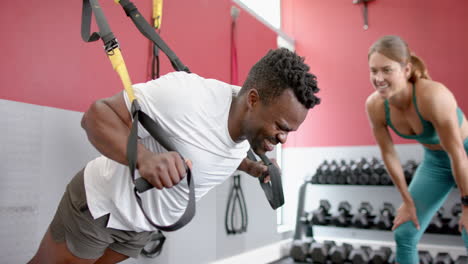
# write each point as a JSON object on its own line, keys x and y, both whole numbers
{"x": 430, "y": 186}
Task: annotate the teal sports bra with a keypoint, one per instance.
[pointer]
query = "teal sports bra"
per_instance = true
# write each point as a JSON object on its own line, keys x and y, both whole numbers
{"x": 429, "y": 134}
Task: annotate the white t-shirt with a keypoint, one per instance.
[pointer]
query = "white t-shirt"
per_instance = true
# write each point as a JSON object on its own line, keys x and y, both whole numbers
{"x": 194, "y": 113}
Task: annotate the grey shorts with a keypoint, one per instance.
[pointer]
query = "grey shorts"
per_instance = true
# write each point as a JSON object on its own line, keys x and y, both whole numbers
{"x": 86, "y": 237}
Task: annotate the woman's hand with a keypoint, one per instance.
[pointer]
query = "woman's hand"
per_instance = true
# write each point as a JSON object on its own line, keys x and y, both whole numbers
{"x": 406, "y": 212}
{"x": 463, "y": 223}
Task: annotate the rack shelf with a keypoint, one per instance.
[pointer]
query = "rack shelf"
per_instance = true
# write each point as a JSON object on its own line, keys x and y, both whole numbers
{"x": 310, "y": 195}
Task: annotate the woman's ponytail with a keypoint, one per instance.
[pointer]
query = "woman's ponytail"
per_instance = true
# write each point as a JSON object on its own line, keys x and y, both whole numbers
{"x": 419, "y": 70}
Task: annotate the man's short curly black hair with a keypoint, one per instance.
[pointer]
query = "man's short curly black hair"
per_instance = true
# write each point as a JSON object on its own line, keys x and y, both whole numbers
{"x": 282, "y": 69}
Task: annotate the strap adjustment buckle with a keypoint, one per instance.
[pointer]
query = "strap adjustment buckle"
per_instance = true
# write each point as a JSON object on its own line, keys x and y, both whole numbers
{"x": 110, "y": 45}
{"x": 135, "y": 108}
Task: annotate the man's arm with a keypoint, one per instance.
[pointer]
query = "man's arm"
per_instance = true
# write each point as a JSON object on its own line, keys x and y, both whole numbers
{"x": 107, "y": 124}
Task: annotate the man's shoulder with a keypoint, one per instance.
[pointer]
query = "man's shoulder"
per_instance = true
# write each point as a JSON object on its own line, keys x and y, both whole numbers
{"x": 180, "y": 75}
{"x": 186, "y": 91}
{"x": 192, "y": 81}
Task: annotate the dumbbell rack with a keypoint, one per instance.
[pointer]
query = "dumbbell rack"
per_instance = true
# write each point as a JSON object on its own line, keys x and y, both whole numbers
{"x": 374, "y": 238}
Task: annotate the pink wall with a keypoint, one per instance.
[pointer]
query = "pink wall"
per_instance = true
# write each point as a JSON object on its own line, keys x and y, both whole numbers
{"x": 330, "y": 35}
{"x": 45, "y": 62}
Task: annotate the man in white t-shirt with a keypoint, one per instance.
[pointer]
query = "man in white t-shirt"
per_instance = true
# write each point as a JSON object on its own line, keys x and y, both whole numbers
{"x": 211, "y": 124}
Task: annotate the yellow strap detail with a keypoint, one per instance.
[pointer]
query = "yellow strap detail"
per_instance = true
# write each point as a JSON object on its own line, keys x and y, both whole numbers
{"x": 118, "y": 64}
{"x": 157, "y": 13}
{"x": 117, "y": 1}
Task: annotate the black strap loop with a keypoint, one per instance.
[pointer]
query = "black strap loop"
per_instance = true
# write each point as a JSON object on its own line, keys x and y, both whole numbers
{"x": 236, "y": 199}
{"x": 86, "y": 23}
{"x": 141, "y": 184}
{"x": 157, "y": 241}
{"x": 90, "y": 6}
{"x": 274, "y": 189}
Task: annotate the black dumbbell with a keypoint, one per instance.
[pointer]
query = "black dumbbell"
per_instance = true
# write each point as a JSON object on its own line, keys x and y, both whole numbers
{"x": 318, "y": 252}
{"x": 443, "y": 258}
{"x": 409, "y": 169}
{"x": 462, "y": 260}
{"x": 351, "y": 179}
{"x": 437, "y": 223}
{"x": 424, "y": 257}
{"x": 321, "y": 216}
{"x": 374, "y": 179}
{"x": 322, "y": 171}
{"x": 344, "y": 216}
{"x": 334, "y": 171}
{"x": 412, "y": 163}
{"x": 314, "y": 179}
{"x": 365, "y": 172}
{"x": 354, "y": 172}
{"x": 300, "y": 249}
{"x": 381, "y": 255}
{"x": 385, "y": 179}
{"x": 378, "y": 166}
{"x": 363, "y": 218}
{"x": 322, "y": 167}
{"x": 360, "y": 255}
{"x": 453, "y": 224}
{"x": 322, "y": 179}
{"x": 340, "y": 254}
{"x": 306, "y": 222}
{"x": 344, "y": 171}
{"x": 366, "y": 166}
{"x": 363, "y": 178}
{"x": 385, "y": 219}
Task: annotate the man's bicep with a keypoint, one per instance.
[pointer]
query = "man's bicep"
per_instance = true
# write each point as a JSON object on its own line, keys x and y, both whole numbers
{"x": 118, "y": 105}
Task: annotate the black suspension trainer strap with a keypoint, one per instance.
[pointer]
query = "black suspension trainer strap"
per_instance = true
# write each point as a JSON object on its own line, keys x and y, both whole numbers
{"x": 148, "y": 31}
{"x": 274, "y": 189}
{"x": 113, "y": 52}
{"x": 156, "y": 24}
{"x": 141, "y": 185}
